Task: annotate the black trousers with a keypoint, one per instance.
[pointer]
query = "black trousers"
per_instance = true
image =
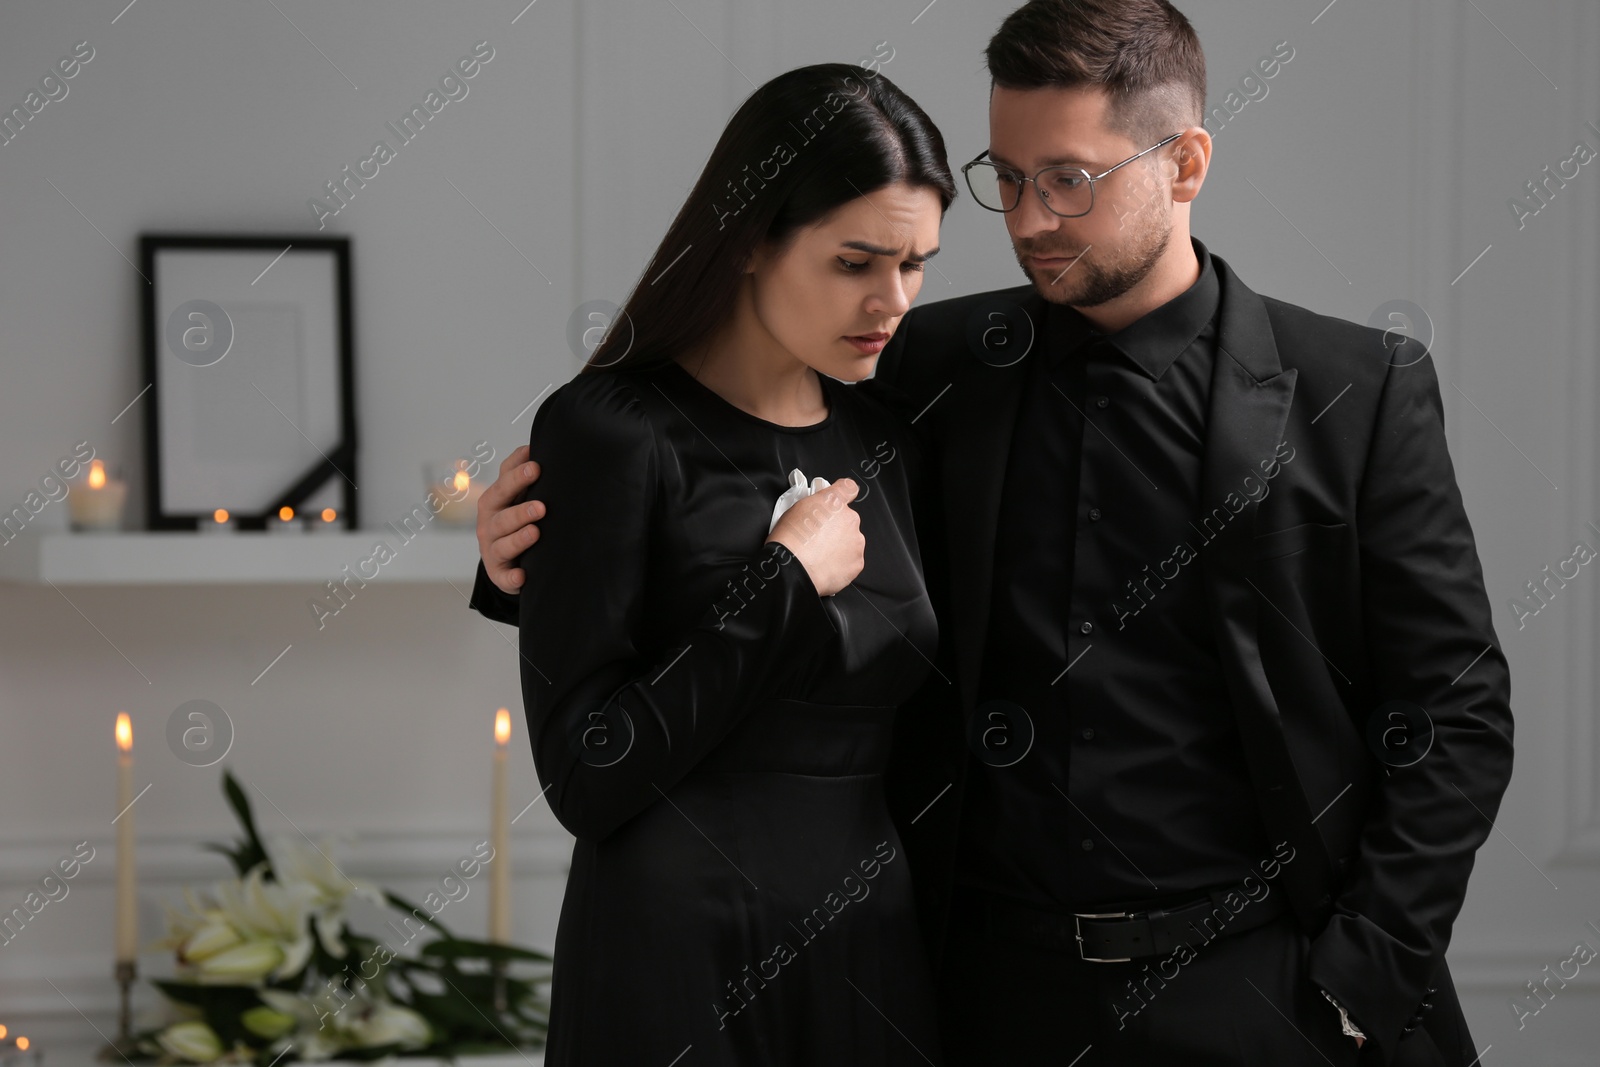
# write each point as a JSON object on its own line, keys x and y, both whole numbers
{"x": 1241, "y": 1000}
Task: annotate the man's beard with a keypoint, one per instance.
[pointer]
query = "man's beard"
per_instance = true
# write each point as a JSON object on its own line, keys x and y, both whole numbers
{"x": 1101, "y": 275}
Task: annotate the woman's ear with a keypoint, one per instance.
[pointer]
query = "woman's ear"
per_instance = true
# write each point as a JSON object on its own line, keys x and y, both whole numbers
{"x": 765, "y": 252}
{"x": 756, "y": 258}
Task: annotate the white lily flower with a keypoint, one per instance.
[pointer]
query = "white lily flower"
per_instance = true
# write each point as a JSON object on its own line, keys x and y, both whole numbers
{"x": 246, "y": 963}
{"x": 181, "y": 926}
{"x": 329, "y": 887}
{"x": 315, "y": 1036}
{"x": 208, "y": 939}
{"x": 192, "y": 1042}
{"x": 270, "y": 911}
{"x": 387, "y": 1023}
{"x": 251, "y": 931}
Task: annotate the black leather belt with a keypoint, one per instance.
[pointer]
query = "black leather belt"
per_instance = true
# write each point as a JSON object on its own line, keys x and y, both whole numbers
{"x": 1121, "y": 936}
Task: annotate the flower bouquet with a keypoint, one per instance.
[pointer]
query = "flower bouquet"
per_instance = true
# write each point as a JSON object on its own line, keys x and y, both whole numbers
{"x": 268, "y": 972}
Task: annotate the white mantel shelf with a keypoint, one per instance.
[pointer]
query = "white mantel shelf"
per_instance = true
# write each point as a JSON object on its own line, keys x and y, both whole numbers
{"x": 239, "y": 558}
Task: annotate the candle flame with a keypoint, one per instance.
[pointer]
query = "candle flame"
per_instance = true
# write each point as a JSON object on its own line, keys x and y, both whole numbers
{"x": 221, "y": 514}
{"x": 286, "y": 513}
{"x": 22, "y": 1044}
{"x": 97, "y": 475}
{"x": 2, "y": 1030}
{"x": 124, "y": 731}
{"x": 502, "y": 726}
{"x": 461, "y": 481}
{"x": 328, "y": 514}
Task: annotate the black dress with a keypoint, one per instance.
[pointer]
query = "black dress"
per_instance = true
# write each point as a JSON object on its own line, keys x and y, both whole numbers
{"x": 714, "y": 733}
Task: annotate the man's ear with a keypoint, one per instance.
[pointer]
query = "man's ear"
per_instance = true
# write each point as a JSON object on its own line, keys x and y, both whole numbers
{"x": 1193, "y": 161}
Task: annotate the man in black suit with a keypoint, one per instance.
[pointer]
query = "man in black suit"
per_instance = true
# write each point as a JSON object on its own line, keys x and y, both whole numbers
{"x": 1221, "y": 719}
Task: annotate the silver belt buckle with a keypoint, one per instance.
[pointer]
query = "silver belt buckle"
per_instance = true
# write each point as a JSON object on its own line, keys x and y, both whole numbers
{"x": 1078, "y": 933}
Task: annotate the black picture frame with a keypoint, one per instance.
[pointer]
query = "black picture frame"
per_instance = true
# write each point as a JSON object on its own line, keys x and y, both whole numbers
{"x": 336, "y": 457}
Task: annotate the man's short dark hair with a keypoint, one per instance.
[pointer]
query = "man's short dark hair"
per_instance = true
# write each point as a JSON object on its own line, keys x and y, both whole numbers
{"x": 1143, "y": 53}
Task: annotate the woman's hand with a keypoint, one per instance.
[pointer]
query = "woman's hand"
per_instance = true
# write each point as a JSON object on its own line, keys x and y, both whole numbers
{"x": 824, "y": 533}
{"x": 506, "y": 528}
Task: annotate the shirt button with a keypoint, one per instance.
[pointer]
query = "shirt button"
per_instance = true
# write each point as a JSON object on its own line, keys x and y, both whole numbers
{"x": 1087, "y": 627}
{"x": 1088, "y": 844}
{"x": 1088, "y": 733}
{"x": 1094, "y": 514}
{"x": 1101, "y": 401}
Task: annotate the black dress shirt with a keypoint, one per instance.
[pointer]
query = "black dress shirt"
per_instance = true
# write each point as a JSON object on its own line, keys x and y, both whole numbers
{"x": 1109, "y": 767}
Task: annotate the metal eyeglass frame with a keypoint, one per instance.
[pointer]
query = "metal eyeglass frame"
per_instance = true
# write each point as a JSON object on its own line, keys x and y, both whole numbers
{"x": 1045, "y": 197}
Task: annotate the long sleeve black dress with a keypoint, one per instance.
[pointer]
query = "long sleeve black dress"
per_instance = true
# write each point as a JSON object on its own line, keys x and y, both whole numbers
{"x": 714, "y": 733}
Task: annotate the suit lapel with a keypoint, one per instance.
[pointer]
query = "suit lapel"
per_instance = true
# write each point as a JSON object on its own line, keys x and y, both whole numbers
{"x": 1250, "y": 398}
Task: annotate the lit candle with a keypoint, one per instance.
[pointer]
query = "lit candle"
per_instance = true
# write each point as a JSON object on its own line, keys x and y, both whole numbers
{"x": 285, "y": 522}
{"x": 220, "y": 522}
{"x": 458, "y": 497}
{"x": 24, "y": 1052}
{"x": 127, "y": 901}
{"x": 327, "y": 522}
{"x": 95, "y": 501}
{"x": 500, "y": 836}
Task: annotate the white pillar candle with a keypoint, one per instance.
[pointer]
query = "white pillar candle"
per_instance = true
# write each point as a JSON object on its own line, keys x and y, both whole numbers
{"x": 127, "y": 922}
{"x": 500, "y": 836}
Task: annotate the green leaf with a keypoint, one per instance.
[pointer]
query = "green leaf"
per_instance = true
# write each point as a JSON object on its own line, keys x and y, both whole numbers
{"x": 237, "y": 854}
{"x": 251, "y": 852}
{"x": 207, "y": 996}
{"x": 456, "y": 948}
{"x": 449, "y": 1010}
{"x": 397, "y": 901}
{"x": 375, "y": 1052}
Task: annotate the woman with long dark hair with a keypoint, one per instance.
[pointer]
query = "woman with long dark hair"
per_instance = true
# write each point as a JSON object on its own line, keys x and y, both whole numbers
{"x": 726, "y": 603}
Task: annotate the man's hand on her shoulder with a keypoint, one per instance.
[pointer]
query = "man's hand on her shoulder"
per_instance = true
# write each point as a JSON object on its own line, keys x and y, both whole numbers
{"x": 506, "y": 528}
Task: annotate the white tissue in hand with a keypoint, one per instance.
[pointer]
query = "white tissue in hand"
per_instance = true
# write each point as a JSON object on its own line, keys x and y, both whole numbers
{"x": 797, "y": 489}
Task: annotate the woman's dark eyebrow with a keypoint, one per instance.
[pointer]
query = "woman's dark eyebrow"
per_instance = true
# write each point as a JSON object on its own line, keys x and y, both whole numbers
{"x": 878, "y": 250}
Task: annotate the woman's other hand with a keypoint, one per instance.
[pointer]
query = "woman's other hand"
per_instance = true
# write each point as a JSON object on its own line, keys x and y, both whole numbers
{"x": 824, "y": 532}
{"x": 505, "y": 527}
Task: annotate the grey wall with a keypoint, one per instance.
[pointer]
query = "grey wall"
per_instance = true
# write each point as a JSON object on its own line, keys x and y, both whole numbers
{"x": 1377, "y": 166}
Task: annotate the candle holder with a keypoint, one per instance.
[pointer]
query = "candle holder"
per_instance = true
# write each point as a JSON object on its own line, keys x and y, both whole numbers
{"x": 458, "y": 491}
{"x": 122, "y": 1046}
{"x": 20, "y": 1052}
{"x": 219, "y": 522}
{"x": 285, "y": 523}
{"x": 328, "y": 522}
{"x": 95, "y": 500}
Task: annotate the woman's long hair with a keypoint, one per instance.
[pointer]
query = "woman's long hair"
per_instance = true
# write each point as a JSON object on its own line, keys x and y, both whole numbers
{"x": 804, "y": 143}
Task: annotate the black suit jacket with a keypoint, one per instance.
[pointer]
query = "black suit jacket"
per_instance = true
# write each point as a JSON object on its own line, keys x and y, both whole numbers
{"x": 1349, "y": 581}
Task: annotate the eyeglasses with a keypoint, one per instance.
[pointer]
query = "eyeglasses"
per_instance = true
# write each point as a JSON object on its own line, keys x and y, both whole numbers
{"x": 1067, "y": 191}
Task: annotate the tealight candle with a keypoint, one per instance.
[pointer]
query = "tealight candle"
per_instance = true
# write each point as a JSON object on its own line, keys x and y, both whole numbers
{"x": 95, "y": 500}
{"x": 219, "y": 522}
{"x": 19, "y": 1052}
{"x": 327, "y": 522}
{"x": 458, "y": 493}
{"x": 285, "y": 523}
